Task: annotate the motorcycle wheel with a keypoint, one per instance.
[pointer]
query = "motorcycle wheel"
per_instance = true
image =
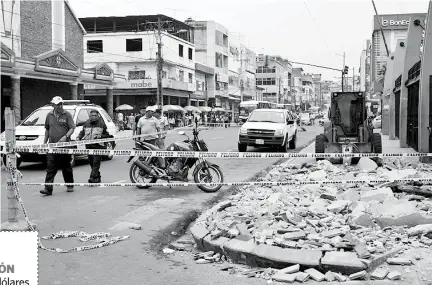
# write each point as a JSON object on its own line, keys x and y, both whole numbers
{"x": 136, "y": 177}
{"x": 207, "y": 176}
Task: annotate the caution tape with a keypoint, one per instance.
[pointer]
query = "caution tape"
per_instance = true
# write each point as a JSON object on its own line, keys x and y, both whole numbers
{"x": 197, "y": 154}
{"x": 95, "y": 141}
{"x": 245, "y": 183}
{"x": 101, "y": 238}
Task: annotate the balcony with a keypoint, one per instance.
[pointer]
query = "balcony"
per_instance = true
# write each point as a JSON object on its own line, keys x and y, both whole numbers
{"x": 177, "y": 85}
{"x": 221, "y": 93}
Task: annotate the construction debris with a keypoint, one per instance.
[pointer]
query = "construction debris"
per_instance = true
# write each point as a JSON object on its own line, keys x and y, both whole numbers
{"x": 357, "y": 225}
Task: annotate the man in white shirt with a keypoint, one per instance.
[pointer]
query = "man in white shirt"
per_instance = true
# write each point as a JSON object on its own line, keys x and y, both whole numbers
{"x": 163, "y": 121}
{"x": 150, "y": 126}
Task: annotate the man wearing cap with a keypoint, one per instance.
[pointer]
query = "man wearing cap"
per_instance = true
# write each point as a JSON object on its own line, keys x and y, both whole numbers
{"x": 149, "y": 126}
{"x": 59, "y": 126}
{"x": 164, "y": 125}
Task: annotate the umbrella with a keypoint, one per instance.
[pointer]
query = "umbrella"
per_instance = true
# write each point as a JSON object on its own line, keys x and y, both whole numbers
{"x": 205, "y": 109}
{"x": 219, "y": 110}
{"x": 173, "y": 108}
{"x": 124, "y": 107}
{"x": 192, "y": 109}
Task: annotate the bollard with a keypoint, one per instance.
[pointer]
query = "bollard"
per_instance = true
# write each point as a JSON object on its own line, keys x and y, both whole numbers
{"x": 13, "y": 223}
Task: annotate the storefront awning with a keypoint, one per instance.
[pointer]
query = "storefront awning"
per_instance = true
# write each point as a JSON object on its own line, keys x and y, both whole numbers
{"x": 234, "y": 98}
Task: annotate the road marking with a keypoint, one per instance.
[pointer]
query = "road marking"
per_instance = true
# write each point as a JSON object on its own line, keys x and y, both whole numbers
{"x": 120, "y": 181}
{"x": 145, "y": 212}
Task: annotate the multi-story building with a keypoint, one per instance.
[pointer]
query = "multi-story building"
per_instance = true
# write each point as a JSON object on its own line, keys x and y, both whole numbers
{"x": 297, "y": 86}
{"x": 42, "y": 56}
{"x": 316, "y": 78}
{"x": 308, "y": 91}
{"x": 365, "y": 69}
{"x": 286, "y": 96}
{"x": 248, "y": 73}
{"x": 269, "y": 75}
{"x": 395, "y": 27}
{"x": 212, "y": 49}
{"x": 234, "y": 73}
{"x": 129, "y": 45}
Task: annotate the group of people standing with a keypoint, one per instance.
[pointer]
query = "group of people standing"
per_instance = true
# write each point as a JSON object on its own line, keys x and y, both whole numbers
{"x": 152, "y": 124}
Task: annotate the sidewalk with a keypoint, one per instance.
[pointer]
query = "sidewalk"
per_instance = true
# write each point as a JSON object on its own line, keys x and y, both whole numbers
{"x": 393, "y": 146}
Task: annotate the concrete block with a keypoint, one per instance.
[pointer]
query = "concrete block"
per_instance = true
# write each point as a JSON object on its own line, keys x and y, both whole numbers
{"x": 394, "y": 275}
{"x": 367, "y": 164}
{"x": 294, "y": 235}
{"x": 330, "y": 276}
{"x": 281, "y": 257}
{"x": 379, "y": 274}
{"x": 288, "y": 278}
{"x": 315, "y": 274}
{"x": 199, "y": 231}
{"x": 362, "y": 251}
{"x": 290, "y": 269}
{"x": 302, "y": 277}
{"x": 343, "y": 262}
{"x": 338, "y": 206}
{"x": 317, "y": 175}
{"x": 358, "y": 275}
{"x": 399, "y": 261}
{"x": 339, "y": 277}
{"x": 379, "y": 260}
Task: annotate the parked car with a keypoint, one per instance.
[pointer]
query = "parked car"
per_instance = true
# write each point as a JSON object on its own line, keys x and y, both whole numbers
{"x": 31, "y": 131}
{"x": 376, "y": 122}
{"x": 275, "y": 128}
{"x": 305, "y": 119}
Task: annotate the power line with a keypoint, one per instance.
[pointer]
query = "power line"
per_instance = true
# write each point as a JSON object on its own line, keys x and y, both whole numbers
{"x": 315, "y": 24}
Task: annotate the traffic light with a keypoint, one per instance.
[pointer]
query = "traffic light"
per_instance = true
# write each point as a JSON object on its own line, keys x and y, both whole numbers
{"x": 345, "y": 71}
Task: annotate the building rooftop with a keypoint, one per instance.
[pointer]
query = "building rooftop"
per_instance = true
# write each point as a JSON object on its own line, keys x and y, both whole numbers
{"x": 136, "y": 23}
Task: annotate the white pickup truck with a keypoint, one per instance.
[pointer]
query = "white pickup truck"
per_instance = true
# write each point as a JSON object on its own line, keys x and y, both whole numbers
{"x": 268, "y": 127}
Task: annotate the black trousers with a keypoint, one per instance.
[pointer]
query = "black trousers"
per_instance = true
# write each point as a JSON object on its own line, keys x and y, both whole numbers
{"x": 56, "y": 162}
{"x": 95, "y": 162}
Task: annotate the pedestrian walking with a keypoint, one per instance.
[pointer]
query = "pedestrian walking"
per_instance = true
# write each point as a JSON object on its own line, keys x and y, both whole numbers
{"x": 164, "y": 126}
{"x": 59, "y": 126}
{"x": 149, "y": 126}
{"x": 93, "y": 129}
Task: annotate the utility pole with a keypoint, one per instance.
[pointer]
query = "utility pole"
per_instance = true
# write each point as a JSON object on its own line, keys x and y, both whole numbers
{"x": 382, "y": 32}
{"x": 159, "y": 96}
{"x": 353, "y": 81}
{"x": 343, "y": 68}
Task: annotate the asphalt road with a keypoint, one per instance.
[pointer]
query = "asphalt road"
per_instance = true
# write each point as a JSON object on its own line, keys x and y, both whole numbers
{"x": 110, "y": 209}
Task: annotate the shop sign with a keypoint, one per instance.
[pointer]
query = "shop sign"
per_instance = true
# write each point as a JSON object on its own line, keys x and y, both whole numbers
{"x": 138, "y": 84}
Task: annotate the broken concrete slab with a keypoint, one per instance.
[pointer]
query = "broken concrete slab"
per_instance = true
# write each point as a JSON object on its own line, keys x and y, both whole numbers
{"x": 344, "y": 262}
{"x": 420, "y": 230}
{"x": 198, "y": 232}
{"x": 399, "y": 261}
{"x": 366, "y": 164}
{"x": 302, "y": 276}
{"x": 339, "y": 206}
{"x": 216, "y": 245}
{"x": 239, "y": 251}
{"x": 281, "y": 277}
{"x": 362, "y": 251}
{"x": 379, "y": 274}
{"x": 379, "y": 195}
{"x": 294, "y": 235}
{"x": 339, "y": 277}
{"x": 329, "y": 276}
{"x": 318, "y": 175}
{"x": 315, "y": 274}
{"x": 358, "y": 275}
{"x": 290, "y": 269}
{"x": 394, "y": 275}
{"x": 281, "y": 257}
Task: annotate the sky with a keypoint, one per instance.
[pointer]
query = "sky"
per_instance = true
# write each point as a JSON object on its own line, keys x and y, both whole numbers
{"x": 308, "y": 31}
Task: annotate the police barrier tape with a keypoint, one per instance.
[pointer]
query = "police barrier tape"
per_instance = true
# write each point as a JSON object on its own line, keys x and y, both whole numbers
{"x": 196, "y": 154}
{"x": 95, "y": 141}
{"x": 102, "y": 239}
{"x": 245, "y": 183}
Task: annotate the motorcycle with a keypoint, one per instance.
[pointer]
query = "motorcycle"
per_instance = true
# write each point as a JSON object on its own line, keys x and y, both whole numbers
{"x": 150, "y": 169}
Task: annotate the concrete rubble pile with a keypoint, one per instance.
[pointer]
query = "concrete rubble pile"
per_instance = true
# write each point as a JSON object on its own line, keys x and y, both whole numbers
{"x": 367, "y": 222}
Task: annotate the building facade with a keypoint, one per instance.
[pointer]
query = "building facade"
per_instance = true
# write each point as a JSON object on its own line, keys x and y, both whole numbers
{"x": 269, "y": 75}
{"x": 365, "y": 69}
{"x": 129, "y": 45}
{"x": 308, "y": 91}
{"x": 297, "y": 86}
{"x": 212, "y": 49}
{"x": 42, "y": 56}
{"x": 395, "y": 27}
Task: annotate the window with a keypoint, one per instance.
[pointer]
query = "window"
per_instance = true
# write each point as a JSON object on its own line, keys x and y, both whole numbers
{"x": 94, "y": 46}
{"x": 181, "y": 75}
{"x": 190, "y": 77}
{"x": 164, "y": 74}
{"x": 136, "y": 74}
{"x": 133, "y": 44}
{"x": 190, "y": 53}
{"x": 181, "y": 50}
{"x": 83, "y": 116}
{"x": 219, "y": 59}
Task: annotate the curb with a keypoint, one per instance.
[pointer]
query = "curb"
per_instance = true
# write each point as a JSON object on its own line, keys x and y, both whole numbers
{"x": 263, "y": 255}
